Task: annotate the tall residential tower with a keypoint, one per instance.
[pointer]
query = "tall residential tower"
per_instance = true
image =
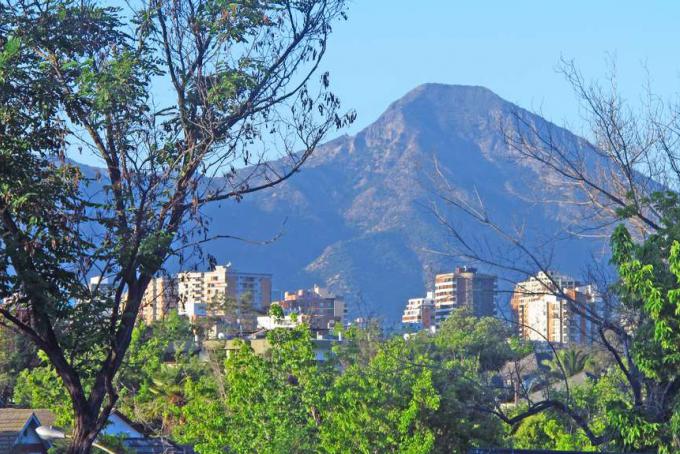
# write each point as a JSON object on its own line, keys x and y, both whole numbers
{"x": 467, "y": 288}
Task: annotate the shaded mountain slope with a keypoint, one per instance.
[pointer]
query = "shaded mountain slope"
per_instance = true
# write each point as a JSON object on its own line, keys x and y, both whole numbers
{"x": 357, "y": 216}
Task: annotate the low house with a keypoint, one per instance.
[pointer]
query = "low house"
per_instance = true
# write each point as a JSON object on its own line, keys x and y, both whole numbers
{"x": 18, "y": 433}
{"x": 17, "y": 430}
{"x": 524, "y": 376}
{"x": 135, "y": 439}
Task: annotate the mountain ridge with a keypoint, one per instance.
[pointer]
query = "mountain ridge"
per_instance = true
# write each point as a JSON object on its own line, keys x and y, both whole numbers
{"x": 357, "y": 216}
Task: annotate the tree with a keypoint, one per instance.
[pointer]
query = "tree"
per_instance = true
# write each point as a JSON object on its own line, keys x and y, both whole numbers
{"x": 15, "y": 355}
{"x": 271, "y": 403}
{"x": 628, "y": 177}
{"x": 468, "y": 352}
{"x": 550, "y": 430}
{"x": 276, "y": 311}
{"x": 360, "y": 344}
{"x": 568, "y": 362}
{"x": 160, "y": 359}
{"x": 382, "y": 407}
{"x": 40, "y": 387}
{"x": 650, "y": 276}
{"x": 77, "y": 75}
{"x": 427, "y": 394}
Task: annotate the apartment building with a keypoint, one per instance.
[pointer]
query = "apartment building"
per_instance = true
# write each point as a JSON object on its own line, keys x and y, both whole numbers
{"x": 551, "y": 307}
{"x": 542, "y": 284}
{"x": 197, "y": 291}
{"x": 159, "y": 299}
{"x": 320, "y": 307}
{"x": 419, "y": 313}
{"x": 465, "y": 287}
{"x": 256, "y": 288}
{"x": 100, "y": 284}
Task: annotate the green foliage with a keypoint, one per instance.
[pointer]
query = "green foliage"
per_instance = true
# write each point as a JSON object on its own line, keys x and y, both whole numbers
{"x": 152, "y": 250}
{"x": 270, "y": 403}
{"x": 276, "y": 311}
{"x": 41, "y": 387}
{"x": 360, "y": 344}
{"x": 9, "y": 51}
{"x": 158, "y": 364}
{"x": 206, "y": 420}
{"x": 649, "y": 287}
{"x": 468, "y": 352}
{"x": 373, "y": 395}
{"x": 16, "y": 355}
{"x": 550, "y": 431}
{"x": 568, "y": 362}
{"x": 598, "y": 399}
{"x": 486, "y": 339}
{"x": 382, "y": 407}
{"x": 281, "y": 392}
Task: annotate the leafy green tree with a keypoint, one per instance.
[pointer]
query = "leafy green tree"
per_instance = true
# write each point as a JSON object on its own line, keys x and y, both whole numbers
{"x": 360, "y": 344}
{"x": 650, "y": 277}
{"x": 549, "y": 430}
{"x": 160, "y": 359}
{"x": 41, "y": 387}
{"x": 382, "y": 407}
{"x": 276, "y": 311}
{"x": 205, "y": 417}
{"x": 468, "y": 352}
{"x": 83, "y": 75}
{"x": 272, "y": 403}
{"x": 447, "y": 377}
{"x": 487, "y": 339}
{"x": 16, "y": 354}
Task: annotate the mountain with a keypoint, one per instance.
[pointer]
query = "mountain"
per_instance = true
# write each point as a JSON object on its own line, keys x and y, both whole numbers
{"x": 357, "y": 218}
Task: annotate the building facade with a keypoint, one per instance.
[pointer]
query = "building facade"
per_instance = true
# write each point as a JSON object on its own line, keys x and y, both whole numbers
{"x": 254, "y": 288}
{"x": 537, "y": 286}
{"x": 419, "y": 313}
{"x": 229, "y": 299}
{"x": 551, "y": 307}
{"x": 464, "y": 288}
{"x": 159, "y": 298}
{"x": 321, "y": 308}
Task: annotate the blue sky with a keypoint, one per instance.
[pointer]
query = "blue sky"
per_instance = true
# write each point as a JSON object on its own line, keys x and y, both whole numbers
{"x": 512, "y": 47}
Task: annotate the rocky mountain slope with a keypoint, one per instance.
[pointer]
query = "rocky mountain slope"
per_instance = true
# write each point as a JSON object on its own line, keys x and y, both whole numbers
{"x": 358, "y": 217}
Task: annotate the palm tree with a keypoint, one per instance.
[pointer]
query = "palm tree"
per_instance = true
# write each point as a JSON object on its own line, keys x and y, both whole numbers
{"x": 569, "y": 362}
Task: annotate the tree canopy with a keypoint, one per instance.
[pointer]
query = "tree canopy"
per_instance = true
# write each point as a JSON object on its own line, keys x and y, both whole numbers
{"x": 183, "y": 103}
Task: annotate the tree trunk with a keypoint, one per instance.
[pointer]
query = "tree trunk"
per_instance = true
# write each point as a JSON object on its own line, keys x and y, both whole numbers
{"x": 84, "y": 434}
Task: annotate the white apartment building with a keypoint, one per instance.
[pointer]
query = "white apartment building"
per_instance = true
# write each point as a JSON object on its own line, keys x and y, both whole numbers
{"x": 197, "y": 289}
{"x": 554, "y": 308}
{"x": 160, "y": 297}
{"x": 419, "y": 313}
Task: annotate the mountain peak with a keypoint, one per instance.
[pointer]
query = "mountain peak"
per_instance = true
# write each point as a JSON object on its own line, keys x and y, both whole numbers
{"x": 447, "y": 99}
{"x": 435, "y": 109}
{"x": 357, "y": 215}
{"x": 436, "y": 88}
